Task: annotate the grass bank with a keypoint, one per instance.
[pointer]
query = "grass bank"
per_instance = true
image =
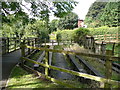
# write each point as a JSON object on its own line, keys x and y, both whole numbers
{"x": 19, "y": 78}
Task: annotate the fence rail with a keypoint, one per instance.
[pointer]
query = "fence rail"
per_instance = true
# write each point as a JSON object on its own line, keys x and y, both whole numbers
{"x": 108, "y": 37}
{"x": 11, "y": 44}
{"x": 106, "y": 80}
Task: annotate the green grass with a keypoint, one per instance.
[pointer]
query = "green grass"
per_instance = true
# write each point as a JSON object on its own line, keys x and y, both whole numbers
{"x": 19, "y": 78}
{"x": 116, "y": 49}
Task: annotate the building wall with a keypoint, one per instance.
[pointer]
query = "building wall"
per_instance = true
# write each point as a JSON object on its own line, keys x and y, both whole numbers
{"x": 80, "y": 23}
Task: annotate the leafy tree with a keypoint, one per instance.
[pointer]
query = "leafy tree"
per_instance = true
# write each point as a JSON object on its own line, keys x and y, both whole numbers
{"x": 93, "y": 16}
{"x": 103, "y": 14}
{"x": 38, "y": 9}
{"x": 37, "y": 29}
{"x": 68, "y": 22}
{"x": 109, "y": 16}
{"x": 54, "y": 25}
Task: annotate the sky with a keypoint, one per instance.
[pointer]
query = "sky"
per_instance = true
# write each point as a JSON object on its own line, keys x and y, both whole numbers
{"x": 81, "y": 9}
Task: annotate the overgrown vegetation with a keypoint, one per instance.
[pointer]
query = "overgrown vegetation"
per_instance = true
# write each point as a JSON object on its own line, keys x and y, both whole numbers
{"x": 75, "y": 35}
{"x": 103, "y": 30}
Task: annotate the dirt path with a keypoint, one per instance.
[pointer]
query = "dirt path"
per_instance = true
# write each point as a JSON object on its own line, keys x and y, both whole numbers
{"x": 62, "y": 63}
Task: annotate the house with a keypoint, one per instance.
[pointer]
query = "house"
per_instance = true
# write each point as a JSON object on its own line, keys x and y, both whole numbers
{"x": 81, "y": 23}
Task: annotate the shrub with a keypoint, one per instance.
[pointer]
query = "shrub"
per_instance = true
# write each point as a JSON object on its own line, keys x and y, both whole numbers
{"x": 65, "y": 35}
{"x": 103, "y": 30}
{"x": 79, "y": 35}
{"x": 76, "y": 34}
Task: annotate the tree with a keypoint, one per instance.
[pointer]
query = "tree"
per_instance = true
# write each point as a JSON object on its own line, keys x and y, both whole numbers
{"x": 54, "y": 25}
{"x": 38, "y": 9}
{"x": 109, "y": 16}
{"x": 103, "y": 14}
{"x": 93, "y": 16}
{"x": 68, "y": 22}
{"x": 37, "y": 29}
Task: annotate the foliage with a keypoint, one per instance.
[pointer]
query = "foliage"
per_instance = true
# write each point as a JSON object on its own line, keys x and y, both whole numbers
{"x": 92, "y": 17}
{"x": 103, "y": 14}
{"x": 65, "y": 35}
{"x": 68, "y": 22}
{"x": 37, "y": 29}
{"x": 53, "y": 25}
{"x": 80, "y": 34}
{"x": 109, "y": 16}
{"x": 76, "y": 35}
{"x": 37, "y": 8}
{"x": 16, "y": 18}
{"x": 103, "y": 30}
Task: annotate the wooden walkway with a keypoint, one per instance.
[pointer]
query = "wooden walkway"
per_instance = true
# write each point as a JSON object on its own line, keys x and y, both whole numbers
{"x": 8, "y": 62}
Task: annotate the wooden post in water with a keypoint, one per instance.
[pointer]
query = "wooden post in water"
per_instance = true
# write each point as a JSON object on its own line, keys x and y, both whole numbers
{"x": 22, "y": 51}
{"x": 108, "y": 65}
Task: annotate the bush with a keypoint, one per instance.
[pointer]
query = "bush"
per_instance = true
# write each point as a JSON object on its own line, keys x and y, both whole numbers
{"x": 76, "y": 34}
{"x": 79, "y": 35}
{"x": 103, "y": 30}
{"x": 65, "y": 35}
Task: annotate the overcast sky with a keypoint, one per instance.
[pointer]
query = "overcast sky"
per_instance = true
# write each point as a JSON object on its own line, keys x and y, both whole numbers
{"x": 81, "y": 9}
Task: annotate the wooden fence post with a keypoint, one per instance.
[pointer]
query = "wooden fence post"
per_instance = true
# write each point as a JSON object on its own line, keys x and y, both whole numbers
{"x": 28, "y": 45}
{"x": 108, "y": 65}
{"x": 105, "y": 37}
{"x": 22, "y": 51}
{"x": 45, "y": 41}
{"x": 117, "y": 37}
{"x": 52, "y": 42}
{"x": 103, "y": 48}
{"x": 5, "y": 45}
{"x": 71, "y": 41}
{"x": 58, "y": 42}
{"x": 7, "y": 42}
{"x": 113, "y": 48}
{"x": 35, "y": 41}
{"x": 46, "y": 61}
{"x": 15, "y": 44}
